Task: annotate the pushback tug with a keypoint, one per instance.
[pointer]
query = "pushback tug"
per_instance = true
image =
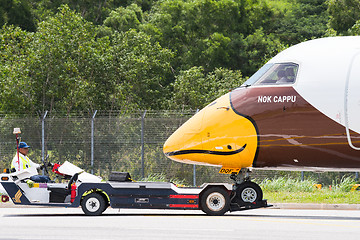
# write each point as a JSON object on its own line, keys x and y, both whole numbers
{"x": 79, "y": 188}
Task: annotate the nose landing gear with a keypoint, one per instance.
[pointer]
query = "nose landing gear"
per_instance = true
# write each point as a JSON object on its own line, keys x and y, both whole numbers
{"x": 246, "y": 194}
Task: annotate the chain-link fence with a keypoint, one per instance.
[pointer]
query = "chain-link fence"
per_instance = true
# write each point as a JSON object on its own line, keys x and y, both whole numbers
{"x": 102, "y": 142}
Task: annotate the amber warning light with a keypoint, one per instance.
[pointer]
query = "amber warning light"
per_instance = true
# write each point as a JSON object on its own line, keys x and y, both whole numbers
{"x": 4, "y": 178}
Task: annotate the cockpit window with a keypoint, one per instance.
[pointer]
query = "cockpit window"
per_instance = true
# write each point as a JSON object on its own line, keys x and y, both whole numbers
{"x": 254, "y": 78}
{"x": 274, "y": 74}
{"x": 279, "y": 74}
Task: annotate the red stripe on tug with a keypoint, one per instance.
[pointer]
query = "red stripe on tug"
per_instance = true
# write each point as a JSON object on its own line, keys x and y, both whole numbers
{"x": 184, "y": 205}
{"x": 191, "y": 202}
{"x": 185, "y": 196}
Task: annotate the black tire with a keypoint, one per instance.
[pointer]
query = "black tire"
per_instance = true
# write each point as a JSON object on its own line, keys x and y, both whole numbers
{"x": 248, "y": 192}
{"x": 215, "y": 201}
{"x": 93, "y": 204}
{"x": 106, "y": 206}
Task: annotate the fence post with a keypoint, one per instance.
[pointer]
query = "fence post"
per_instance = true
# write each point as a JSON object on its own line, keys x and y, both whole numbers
{"x": 43, "y": 139}
{"x": 142, "y": 144}
{"x": 92, "y": 142}
{"x": 302, "y": 176}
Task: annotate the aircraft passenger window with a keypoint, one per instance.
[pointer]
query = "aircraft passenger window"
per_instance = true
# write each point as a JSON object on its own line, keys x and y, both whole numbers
{"x": 279, "y": 74}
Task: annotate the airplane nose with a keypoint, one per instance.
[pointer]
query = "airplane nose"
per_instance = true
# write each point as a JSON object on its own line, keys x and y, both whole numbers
{"x": 185, "y": 138}
{"x": 214, "y": 136}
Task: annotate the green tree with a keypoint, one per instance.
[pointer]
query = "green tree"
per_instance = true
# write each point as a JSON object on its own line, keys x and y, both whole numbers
{"x": 52, "y": 68}
{"x": 258, "y": 49}
{"x": 144, "y": 50}
{"x": 343, "y": 14}
{"x": 95, "y": 12}
{"x": 194, "y": 88}
{"x": 64, "y": 67}
{"x": 14, "y": 52}
{"x": 62, "y": 62}
{"x": 139, "y": 70}
{"x": 17, "y": 13}
{"x": 355, "y": 29}
{"x": 208, "y": 33}
{"x": 122, "y": 19}
{"x": 301, "y": 20}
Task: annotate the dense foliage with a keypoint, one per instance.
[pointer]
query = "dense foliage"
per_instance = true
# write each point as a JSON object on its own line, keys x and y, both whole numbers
{"x": 67, "y": 56}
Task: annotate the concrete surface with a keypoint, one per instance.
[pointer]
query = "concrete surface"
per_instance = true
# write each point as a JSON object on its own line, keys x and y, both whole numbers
{"x": 269, "y": 224}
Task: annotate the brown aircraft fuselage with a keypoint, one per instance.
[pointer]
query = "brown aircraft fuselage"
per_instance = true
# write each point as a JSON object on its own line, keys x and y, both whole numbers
{"x": 291, "y": 132}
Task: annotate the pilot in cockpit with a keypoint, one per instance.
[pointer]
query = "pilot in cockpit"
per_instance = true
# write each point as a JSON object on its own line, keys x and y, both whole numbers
{"x": 281, "y": 77}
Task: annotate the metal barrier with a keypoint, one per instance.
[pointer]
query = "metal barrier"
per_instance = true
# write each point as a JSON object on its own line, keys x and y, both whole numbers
{"x": 101, "y": 142}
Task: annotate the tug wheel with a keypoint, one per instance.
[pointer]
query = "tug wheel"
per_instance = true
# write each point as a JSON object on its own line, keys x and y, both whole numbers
{"x": 215, "y": 201}
{"x": 93, "y": 204}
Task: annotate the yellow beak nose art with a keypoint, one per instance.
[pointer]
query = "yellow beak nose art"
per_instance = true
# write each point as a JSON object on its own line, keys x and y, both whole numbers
{"x": 215, "y": 136}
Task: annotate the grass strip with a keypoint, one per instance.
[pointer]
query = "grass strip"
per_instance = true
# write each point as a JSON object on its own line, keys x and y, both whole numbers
{"x": 319, "y": 196}
{"x": 288, "y": 190}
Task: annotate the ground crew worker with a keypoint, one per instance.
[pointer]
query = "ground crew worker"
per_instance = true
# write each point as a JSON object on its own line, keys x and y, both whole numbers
{"x": 23, "y": 161}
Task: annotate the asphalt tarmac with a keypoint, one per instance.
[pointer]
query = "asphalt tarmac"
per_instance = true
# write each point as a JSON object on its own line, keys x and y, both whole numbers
{"x": 69, "y": 223}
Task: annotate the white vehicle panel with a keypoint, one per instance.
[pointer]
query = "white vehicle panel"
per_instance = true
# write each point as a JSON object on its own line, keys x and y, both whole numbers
{"x": 35, "y": 195}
